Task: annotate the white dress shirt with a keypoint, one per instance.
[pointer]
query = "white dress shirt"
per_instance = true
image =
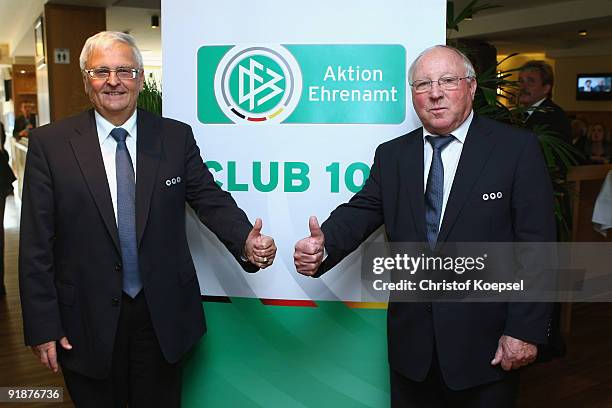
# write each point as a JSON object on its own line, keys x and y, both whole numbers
{"x": 602, "y": 212}
{"x": 450, "y": 159}
{"x": 108, "y": 146}
{"x": 535, "y": 105}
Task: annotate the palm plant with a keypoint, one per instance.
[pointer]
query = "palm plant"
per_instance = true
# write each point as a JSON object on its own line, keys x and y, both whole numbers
{"x": 150, "y": 97}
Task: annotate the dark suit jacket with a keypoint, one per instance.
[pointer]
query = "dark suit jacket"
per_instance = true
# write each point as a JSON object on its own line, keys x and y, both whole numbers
{"x": 70, "y": 262}
{"x": 554, "y": 117}
{"x": 2, "y": 134}
{"x": 495, "y": 157}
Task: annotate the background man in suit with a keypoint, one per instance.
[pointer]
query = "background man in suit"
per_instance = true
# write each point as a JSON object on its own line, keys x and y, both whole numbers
{"x": 105, "y": 268}
{"x": 448, "y": 354}
{"x": 536, "y": 80}
{"x": 25, "y": 122}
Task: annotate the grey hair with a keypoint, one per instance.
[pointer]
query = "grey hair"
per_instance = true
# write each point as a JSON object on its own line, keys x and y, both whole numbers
{"x": 105, "y": 39}
{"x": 469, "y": 68}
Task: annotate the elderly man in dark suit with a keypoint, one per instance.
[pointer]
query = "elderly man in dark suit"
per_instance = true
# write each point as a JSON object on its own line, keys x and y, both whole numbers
{"x": 108, "y": 286}
{"x": 428, "y": 186}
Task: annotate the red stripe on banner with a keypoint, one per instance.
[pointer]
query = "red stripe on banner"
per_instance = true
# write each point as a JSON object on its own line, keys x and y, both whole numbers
{"x": 257, "y": 119}
{"x": 287, "y": 302}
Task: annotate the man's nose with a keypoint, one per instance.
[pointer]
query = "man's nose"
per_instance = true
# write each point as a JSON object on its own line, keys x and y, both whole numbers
{"x": 113, "y": 79}
{"x": 436, "y": 91}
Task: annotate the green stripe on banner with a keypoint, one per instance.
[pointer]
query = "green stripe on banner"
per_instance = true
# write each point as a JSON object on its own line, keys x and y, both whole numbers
{"x": 272, "y": 356}
{"x": 208, "y": 108}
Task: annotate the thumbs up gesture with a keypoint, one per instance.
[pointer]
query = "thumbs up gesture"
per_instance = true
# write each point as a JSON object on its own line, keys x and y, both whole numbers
{"x": 308, "y": 253}
{"x": 259, "y": 249}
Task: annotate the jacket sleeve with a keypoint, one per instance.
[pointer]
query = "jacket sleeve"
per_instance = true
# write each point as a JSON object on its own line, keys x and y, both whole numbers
{"x": 214, "y": 207}
{"x": 351, "y": 223}
{"x": 41, "y": 317}
{"x": 533, "y": 222}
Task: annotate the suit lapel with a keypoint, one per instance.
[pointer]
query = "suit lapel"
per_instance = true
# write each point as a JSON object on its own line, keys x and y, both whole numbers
{"x": 411, "y": 177}
{"x": 478, "y": 145}
{"x": 149, "y": 147}
{"x": 86, "y": 147}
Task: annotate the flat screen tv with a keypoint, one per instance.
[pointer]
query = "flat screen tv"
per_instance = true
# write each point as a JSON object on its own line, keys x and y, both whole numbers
{"x": 594, "y": 87}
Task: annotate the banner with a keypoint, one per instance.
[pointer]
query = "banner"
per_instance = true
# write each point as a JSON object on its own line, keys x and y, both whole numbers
{"x": 288, "y": 102}
{"x": 302, "y": 84}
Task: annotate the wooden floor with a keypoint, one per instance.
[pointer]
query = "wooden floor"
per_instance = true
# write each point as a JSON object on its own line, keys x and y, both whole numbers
{"x": 582, "y": 379}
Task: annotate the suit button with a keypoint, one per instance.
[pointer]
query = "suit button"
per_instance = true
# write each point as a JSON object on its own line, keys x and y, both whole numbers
{"x": 115, "y": 302}
{"x": 428, "y": 308}
{"x": 118, "y": 267}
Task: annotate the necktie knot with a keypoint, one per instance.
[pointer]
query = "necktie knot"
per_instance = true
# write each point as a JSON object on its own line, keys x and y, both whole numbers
{"x": 119, "y": 134}
{"x": 439, "y": 142}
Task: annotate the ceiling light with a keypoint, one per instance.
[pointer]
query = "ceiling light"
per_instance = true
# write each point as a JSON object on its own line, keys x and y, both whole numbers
{"x": 154, "y": 21}
{"x": 583, "y": 33}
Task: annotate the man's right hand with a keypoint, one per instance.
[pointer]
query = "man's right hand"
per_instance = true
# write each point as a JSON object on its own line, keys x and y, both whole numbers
{"x": 308, "y": 253}
{"x": 47, "y": 353}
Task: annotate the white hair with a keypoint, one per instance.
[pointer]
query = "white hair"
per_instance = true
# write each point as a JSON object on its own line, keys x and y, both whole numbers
{"x": 469, "y": 68}
{"x": 105, "y": 39}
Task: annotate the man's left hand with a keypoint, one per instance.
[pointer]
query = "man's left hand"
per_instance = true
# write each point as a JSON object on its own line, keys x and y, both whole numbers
{"x": 514, "y": 353}
{"x": 259, "y": 249}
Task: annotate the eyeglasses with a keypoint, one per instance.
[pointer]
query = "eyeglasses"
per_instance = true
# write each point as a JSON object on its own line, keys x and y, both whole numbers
{"x": 122, "y": 73}
{"x": 446, "y": 83}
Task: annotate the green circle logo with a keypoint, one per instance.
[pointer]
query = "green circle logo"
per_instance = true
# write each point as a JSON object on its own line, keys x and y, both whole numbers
{"x": 257, "y": 84}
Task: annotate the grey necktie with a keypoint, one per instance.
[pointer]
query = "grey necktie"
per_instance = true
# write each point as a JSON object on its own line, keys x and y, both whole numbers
{"x": 434, "y": 193}
{"x": 126, "y": 214}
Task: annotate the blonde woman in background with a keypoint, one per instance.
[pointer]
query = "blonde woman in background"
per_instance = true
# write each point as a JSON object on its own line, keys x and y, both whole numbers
{"x": 597, "y": 148}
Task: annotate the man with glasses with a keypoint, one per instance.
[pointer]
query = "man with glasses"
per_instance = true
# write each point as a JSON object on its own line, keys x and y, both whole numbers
{"x": 108, "y": 287}
{"x": 433, "y": 185}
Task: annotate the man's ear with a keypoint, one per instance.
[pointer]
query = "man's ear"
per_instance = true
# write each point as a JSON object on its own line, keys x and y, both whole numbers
{"x": 85, "y": 82}
{"x": 473, "y": 86}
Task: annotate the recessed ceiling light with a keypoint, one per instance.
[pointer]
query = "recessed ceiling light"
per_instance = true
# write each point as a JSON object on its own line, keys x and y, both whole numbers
{"x": 583, "y": 33}
{"x": 23, "y": 71}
